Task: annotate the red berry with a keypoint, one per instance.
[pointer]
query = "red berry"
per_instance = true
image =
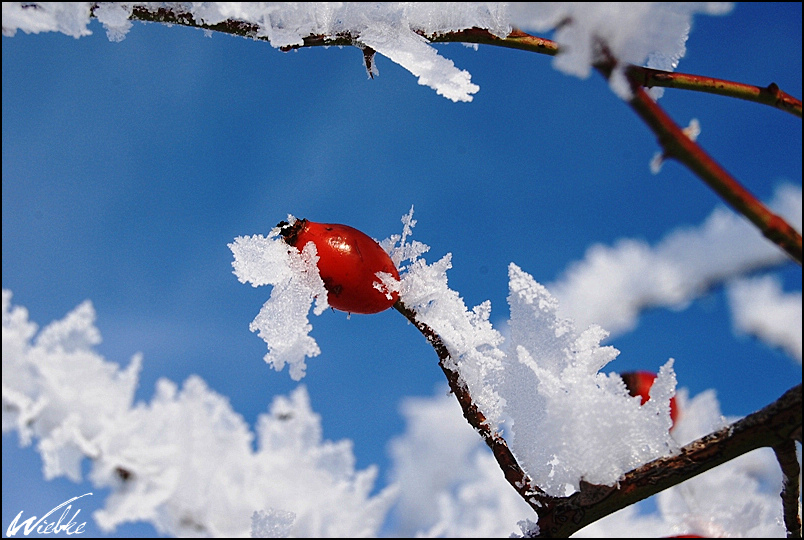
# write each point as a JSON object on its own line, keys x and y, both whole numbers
{"x": 638, "y": 383}
{"x": 348, "y": 261}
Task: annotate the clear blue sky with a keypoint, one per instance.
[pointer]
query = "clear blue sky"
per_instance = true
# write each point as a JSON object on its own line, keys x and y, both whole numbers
{"x": 128, "y": 167}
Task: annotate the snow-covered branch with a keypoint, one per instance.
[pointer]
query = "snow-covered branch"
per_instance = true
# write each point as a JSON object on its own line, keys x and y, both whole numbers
{"x": 652, "y": 34}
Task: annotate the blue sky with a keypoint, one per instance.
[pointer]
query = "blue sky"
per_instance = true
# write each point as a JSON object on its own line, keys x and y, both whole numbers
{"x": 128, "y": 167}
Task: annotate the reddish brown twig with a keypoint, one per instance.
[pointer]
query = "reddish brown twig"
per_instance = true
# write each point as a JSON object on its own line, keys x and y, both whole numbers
{"x": 773, "y": 425}
{"x": 769, "y": 95}
{"x": 514, "y": 474}
{"x": 678, "y": 146}
{"x": 517, "y": 39}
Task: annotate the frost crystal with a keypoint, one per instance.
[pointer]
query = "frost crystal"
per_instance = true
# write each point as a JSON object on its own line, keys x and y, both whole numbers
{"x": 272, "y": 524}
{"x": 471, "y": 340}
{"x": 282, "y": 322}
{"x": 114, "y": 18}
{"x": 568, "y": 421}
{"x": 639, "y": 33}
{"x": 563, "y": 419}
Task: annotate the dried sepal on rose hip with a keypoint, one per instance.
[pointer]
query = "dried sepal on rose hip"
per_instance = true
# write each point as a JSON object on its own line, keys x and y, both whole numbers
{"x": 638, "y": 383}
{"x": 348, "y": 262}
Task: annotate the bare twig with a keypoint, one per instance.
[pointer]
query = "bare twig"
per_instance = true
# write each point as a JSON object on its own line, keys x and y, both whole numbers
{"x": 517, "y": 39}
{"x": 677, "y": 145}
{"x": 770, "y": 95}
{"x": 680, "y": 147}
{"x": 791, "y": 489}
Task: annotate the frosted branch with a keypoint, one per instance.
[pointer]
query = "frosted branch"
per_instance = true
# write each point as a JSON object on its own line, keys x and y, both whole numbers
{"x": 775, "y": 424}
{"x": 502, "y": 453}
{"x": 562, "y": 516}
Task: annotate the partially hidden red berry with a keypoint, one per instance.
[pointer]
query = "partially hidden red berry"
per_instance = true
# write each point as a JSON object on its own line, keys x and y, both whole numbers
{"x": 348, "y": 261}
{"x": 638, "y": 383}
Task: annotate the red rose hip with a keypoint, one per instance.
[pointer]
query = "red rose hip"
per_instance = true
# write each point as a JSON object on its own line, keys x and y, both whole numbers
{"x": 638, "y": 383}
{"x": 348, "y": 261}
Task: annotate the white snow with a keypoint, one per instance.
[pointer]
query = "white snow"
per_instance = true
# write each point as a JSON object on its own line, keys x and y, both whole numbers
{"x": 563, "y": 419}
{"x": 71, "y": 18}
{"x": 190, "y": 460}
{"x": 468, "y": 335}
{"x": 679, "y": 268}
{"x": 272, "y": 523}
{"x": 114, "y": 18}
{"x": 449, "y": 483}
{"x": 568, "y": 421}
{"x": 761, "y": 308}
{"x": 640, "y": 33}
